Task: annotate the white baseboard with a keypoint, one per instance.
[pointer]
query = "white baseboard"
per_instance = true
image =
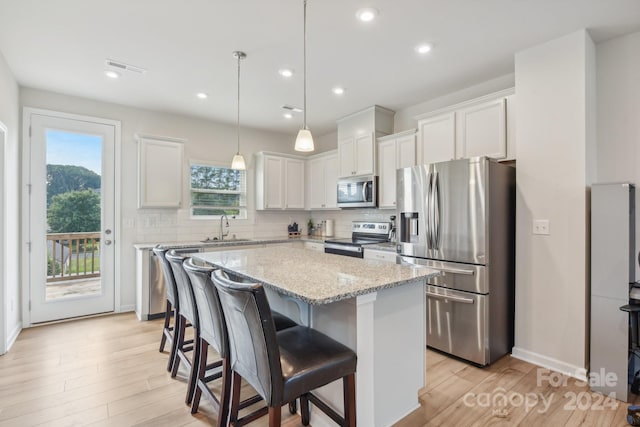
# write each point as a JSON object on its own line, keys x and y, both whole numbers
{"x": 13, "y": 336}
{"x": 556, "y": 365}
{"x": 127, "y": 308}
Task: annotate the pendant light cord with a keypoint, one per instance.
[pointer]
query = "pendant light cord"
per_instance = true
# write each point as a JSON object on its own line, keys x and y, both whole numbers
{"x": 304, "y": 67}
{"x": 238, "y": 118}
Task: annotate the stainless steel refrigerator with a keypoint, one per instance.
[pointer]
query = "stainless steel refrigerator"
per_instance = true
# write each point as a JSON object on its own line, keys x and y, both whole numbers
{"x": 459, "y": 217}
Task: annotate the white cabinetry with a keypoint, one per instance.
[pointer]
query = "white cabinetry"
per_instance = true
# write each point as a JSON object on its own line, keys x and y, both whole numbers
{"x": 379, "y": 255}
{"x": 279, "y": 181}
{"x": 394, "y": 152}
{"x": 480, "y": 127}
{"x": 321, "y": 180}
{"x": 482, "y": 130}
{"x": 356, "y": 139}
{"x": 314, "y": 246}
{"x": 437, "y": 138}
{"x": 159, "y": 172}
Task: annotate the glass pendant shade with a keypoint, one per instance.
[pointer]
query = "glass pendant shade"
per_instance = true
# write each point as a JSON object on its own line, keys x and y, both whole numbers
{"x": 238, "y": 162}
{"x": 304, "y": 141}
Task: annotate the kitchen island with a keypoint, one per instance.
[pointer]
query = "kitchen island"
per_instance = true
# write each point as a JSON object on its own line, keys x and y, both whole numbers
{"x": 376, "y": 308}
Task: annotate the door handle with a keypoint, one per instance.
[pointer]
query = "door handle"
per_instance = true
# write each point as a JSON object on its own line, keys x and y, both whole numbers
{"x": 364, "y": 191}
{"x": 462, "y": 300}
{"x": 454, "y": 270}
{"x": 107, "y": 242}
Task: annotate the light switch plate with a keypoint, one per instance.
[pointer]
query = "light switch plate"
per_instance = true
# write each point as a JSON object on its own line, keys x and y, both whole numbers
{"x": 541, "y": 226}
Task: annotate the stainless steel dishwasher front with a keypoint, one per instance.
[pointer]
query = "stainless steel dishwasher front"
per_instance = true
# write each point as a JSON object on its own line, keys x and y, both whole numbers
{"x": 157, "y": 284}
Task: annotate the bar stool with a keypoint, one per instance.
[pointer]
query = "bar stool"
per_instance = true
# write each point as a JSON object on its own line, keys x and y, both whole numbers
{"x": 280, "y": 365}
{"x": 172, "y": 306}
{"x": 188, "y": 314}
{"x": 213, "y": 331}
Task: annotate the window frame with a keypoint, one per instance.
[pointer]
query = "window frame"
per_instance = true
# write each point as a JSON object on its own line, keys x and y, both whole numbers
{"x": 243, "y": 215}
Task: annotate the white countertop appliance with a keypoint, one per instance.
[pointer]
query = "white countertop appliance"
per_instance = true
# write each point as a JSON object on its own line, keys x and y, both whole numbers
{"x": 362, "y": 233}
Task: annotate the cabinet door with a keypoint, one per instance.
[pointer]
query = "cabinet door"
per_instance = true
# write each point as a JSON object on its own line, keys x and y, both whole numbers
{"x": 346, "y": 151}
{"x": 331, "y": 182}
{"x": 315, "y": 185}
{"x": 482, "y": 130}
{"x": 365, "y": 155}
{"x": 294, "y": 183}
{"x": 437, "y": 139}
{"x": 159, "y": 173}
{"x": 387, "y": 170}
{"x": 406, "y": 152}
{"x": 274, "y": 197}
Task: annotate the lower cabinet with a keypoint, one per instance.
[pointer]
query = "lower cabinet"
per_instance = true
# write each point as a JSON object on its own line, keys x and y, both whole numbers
{"x": 380, "y": 255}
{"x": 314, "y": 246}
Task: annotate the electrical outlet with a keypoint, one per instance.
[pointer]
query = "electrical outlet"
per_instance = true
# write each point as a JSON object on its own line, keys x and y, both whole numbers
{"x": 541, "y": 226}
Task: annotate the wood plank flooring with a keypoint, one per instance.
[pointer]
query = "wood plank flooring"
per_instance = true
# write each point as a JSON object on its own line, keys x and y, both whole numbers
{"x": 107, "y": 371}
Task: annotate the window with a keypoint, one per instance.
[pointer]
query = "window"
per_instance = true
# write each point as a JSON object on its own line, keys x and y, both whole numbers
{"x": 218, "y": 190}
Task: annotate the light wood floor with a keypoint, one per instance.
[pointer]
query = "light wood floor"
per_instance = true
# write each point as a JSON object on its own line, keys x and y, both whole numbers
{"x": 107, "y": 371}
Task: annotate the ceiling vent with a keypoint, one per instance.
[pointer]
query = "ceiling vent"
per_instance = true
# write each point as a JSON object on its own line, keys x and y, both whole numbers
{"x": 292, "y": 109}
{"x": 125, "y": 67}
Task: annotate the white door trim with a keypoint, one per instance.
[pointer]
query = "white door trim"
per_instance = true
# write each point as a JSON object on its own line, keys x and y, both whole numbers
{"x": 3, "y": 242}
{"x": 27, "y": 112}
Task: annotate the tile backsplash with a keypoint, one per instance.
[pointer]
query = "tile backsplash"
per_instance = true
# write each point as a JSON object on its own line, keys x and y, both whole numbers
{"x": 151, "y": 226}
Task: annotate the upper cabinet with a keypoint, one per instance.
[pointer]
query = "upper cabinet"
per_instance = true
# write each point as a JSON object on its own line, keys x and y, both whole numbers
{"x": 159, "y": 172}
{"x": 480, "y": 127}
{"x": 356, "y": 140}
{"x": 279, "y": 181}
{"x": 394, "y": 152}
{"x": 322, "y": 181}
{"x": 437, "y": 138}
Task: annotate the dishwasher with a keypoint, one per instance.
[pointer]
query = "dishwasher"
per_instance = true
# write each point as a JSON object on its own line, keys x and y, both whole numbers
{"x": 157, "y": 284}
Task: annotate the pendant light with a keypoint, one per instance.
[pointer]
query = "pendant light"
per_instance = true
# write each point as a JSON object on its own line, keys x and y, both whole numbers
{"x": 238, "y": 161}
{"x": 304, "y": 141}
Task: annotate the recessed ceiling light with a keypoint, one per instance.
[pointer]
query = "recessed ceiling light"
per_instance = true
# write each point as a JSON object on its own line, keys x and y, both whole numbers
{"x": 366, "y": 14}
{"x": 287, "y": 115}
{"x": 111, "y": 74}
{"x": 285, "y": 72}
{"x": 424, "y": 48}
{"x": 202, "y": 95}
{"x": 338, "y": 90}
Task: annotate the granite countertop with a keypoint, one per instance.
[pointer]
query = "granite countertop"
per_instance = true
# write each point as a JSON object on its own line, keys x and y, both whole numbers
{"x": 311, "y": 276}
{"x": 229, "y": 242}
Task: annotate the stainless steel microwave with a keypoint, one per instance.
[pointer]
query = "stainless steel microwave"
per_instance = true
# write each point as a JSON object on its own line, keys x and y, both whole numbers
{"x": 358, "y": 192}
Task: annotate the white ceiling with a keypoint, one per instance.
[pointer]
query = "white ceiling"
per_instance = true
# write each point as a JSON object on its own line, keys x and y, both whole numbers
{"x": 187, "y": 46}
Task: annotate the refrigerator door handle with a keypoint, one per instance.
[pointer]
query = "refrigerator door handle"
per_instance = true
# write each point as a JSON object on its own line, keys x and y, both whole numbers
{"x": 430, "y": 213}
{"x": 455, "y": 271}
{"x": 436, "y": 211}
{"x": 450, "y": 298}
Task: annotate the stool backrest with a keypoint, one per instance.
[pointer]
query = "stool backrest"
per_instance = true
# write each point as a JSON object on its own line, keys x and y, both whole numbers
{"x": 170, "y": 281}
{"x": 253, "y": 348}
{"x": 211, "y": 319}
{"x": 188, "y": 308}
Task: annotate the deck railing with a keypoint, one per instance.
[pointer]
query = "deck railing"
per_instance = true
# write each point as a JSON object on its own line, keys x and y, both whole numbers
{"x": 72, "y": 256}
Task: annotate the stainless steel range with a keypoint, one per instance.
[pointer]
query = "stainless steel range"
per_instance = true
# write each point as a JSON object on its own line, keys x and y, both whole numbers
{"x": 362, "y": 233}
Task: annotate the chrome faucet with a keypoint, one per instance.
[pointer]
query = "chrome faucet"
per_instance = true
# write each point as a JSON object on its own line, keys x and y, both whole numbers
{"x": 224, "y": 216}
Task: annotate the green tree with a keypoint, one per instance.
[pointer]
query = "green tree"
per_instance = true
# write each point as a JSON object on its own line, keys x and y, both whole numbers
{"x": 64, "y": 178}
{"x": 74, "y": 211}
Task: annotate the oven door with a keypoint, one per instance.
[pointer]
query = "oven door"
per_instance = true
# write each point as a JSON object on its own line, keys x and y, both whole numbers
{"x": 343, "y": 249}
{"x": 457, "y": 323}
